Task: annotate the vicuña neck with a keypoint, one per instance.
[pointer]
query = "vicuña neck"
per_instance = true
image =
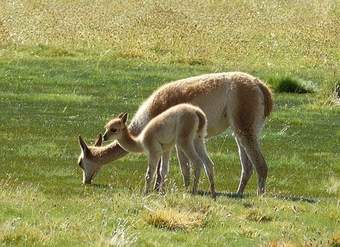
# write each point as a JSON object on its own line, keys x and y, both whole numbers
{"x": 106, "y": 154}
{"x": 129, "y": 142}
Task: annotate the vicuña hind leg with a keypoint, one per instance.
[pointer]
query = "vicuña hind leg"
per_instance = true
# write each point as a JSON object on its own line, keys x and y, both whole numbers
{"x": 208, "y": 164}
{"x": 185, "y": 167}
{"x": 150, "y": 173}
{"x": 190, "y": 152}
{"x": 164, "y": 169}
{"x": 158, "y": 176}
{"x": 252, "y": 149}
{"x": 246, "y": 166}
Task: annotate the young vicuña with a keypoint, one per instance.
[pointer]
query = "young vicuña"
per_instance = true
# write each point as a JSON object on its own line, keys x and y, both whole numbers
{"x": 184, "y": 125}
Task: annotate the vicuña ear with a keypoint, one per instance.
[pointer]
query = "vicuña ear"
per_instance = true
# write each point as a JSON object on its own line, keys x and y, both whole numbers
{"x": 83, "y": 145}
{"x": 121, "y": 115}
{"x": 98, "y": 141}
{"x": 124, "y": 117}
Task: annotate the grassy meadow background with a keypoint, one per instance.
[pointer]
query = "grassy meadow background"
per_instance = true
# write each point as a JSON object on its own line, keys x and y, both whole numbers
{"x": 67, "y": 66}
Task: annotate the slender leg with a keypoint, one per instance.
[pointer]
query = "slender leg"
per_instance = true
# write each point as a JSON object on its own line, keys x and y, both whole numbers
{"x": 185, "y": 167}
{"x": 252, "y": 148}
{"x": 152, "y": 165}
{"x": 164, "y": 170}
{"x": 158, "y": 178}
{"x": 246, "y": 166}
{"x": 208, "y": 164}
{"x": 190, "y": 152}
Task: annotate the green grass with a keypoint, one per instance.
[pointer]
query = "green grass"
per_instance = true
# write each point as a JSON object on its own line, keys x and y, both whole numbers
{"x": 46, "y": 102}
{"x": 67, "y": 66}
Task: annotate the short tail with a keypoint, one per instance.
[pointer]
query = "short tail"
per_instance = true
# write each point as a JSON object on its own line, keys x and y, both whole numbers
{"x": 268, "y": 99}
{"x": 202, "y": 124}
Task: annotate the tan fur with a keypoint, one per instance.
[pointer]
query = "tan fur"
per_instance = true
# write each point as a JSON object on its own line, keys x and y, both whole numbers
{"x": 233, "y": 99}
{"x": 181, "y": 91}
{"x": 184, "y": 125}
{"x": 248, "y": 101}
{"x": 268, "y": 98}
{"x": 202, "y": 124}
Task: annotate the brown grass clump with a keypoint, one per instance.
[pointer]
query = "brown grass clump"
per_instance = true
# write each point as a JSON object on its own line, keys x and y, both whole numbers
{"x": 17, "y": 233}
{"x": 172, "y": 219}
{"x": 335, "y": 240}
{"x": 257, "y": 216}
{"x": 282, "y": 244}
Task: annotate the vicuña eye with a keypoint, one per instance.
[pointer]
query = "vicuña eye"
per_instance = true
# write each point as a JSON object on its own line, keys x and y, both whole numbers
{"x": 113, "y": 130}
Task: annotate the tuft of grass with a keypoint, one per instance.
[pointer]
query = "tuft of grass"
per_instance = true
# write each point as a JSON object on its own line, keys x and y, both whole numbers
{"x": 258, "y": 216}
{"x": 16, "y": 233}
{"x": 282, "y": 244}
{"x": 121, "y": 237}
{"x": 286, "y": 84}
{"x": 173, "y": 219}
{"x": 333, "y": 186}
{"x": 335, "y": 240}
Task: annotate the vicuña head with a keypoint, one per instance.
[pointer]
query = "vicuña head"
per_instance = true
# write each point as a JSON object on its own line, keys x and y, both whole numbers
{"x": 88, "y": 159}
{"x": 115, "y": 127}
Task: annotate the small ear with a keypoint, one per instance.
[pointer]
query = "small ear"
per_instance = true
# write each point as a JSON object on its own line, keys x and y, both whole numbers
{"x": 98, "y": 141}
{"x": 83, "y": 145}
{"x": 124, "y": 117}
{"x": 121, "y": 115}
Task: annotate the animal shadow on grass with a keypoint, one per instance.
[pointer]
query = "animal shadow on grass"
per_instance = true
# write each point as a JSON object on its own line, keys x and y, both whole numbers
{"x": 294, "y": 198}
{"x": 235, "y": 195}
{"x": 101, "y": 186}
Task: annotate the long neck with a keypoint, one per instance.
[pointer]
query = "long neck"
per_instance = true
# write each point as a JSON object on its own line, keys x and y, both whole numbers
{"x": 106, "y": 154}
{"x": 129, "y": 142}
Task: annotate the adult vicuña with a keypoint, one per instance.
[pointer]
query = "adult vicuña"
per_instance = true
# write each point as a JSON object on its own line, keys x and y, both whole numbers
{"x": 184, "y": 125}
{"x": 233, "y": 99}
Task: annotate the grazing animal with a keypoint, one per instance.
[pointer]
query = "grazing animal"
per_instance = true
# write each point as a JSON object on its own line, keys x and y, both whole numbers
{"x": 92, "y": 154}
{"x": 233, "y": 99}
{"x": 184, "y": 125}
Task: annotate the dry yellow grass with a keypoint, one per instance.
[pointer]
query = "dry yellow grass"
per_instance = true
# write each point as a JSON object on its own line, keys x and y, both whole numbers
{"x": 335, "y": 240}
{"x": 294, "y": 38}
{"x": 282, "y": 244}
{"x": 17, "y": 231}
{"x": 173, "y": 219}
{"x": 232, "y": 32}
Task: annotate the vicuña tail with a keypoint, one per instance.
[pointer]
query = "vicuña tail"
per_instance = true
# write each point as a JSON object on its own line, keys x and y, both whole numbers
{"x": 268, "y": 99}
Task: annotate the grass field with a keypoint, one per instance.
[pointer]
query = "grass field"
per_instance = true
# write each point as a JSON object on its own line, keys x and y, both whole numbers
{"x": 67, "y": 66}
{"x": 46, "y": 103}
